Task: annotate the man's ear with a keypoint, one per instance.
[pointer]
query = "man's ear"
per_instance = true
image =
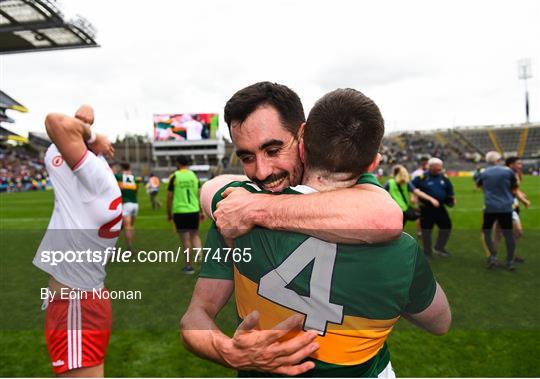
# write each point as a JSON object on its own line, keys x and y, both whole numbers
{"x": 300, "y": 138}
{"x": 373, "y": 165}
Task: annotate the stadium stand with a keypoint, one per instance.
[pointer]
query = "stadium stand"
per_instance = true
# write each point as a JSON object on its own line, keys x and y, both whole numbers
{"x": 462, "y": 148}
{"x": 7, "y": 102}
{"x": 532, "y": 143}
{"x": 21, "y": 169}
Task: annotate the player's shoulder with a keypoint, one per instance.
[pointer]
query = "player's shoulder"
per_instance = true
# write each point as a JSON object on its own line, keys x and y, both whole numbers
{"x": 368, "y": 178}
{"x": 405, "y": 242}
{"x": 247, "y": 185}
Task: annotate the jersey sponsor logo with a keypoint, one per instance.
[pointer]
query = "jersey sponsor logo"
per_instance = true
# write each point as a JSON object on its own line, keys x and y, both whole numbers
{"x": 58, "y": 363}
{"x": 57, "y": 161}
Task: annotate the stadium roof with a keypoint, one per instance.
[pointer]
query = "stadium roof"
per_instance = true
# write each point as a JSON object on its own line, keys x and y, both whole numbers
{"x": 7, "y": 102}
{"x": 38, "y": 25}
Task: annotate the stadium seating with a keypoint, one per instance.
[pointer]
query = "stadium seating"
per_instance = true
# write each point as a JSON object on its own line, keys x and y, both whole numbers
{"x": 461, "y": 148}
{"x": 21, "y": 170}
{"x": 532, "y": 143}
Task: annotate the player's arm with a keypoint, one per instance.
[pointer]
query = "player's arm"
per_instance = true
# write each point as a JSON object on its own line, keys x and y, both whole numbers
{"x": 200, "y": 334}
{"x": 364, "y": 213}
{"x": 520, "y": 195}
{"x": 170, "y": 194}
{"x": 450, "y": 197}
{"x": 428, "y": 306}
{"x": 211, "y": 187}
{"x": 249, "y": 349}
{"x": 425, "y": 196}
{"x": 436, "y": 318}
{"x": 70, "y": 133}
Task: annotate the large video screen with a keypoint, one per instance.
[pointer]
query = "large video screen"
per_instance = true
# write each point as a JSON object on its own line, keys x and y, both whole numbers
{"x": 185, "y": 126}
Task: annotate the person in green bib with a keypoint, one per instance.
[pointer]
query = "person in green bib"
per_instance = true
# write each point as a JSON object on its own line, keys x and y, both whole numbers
{"x": 401, "y": 189}
{"x": 183, "y": 208}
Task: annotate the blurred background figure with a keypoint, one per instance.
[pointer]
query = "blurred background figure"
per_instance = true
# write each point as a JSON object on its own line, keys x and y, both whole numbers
{"x": 514, "y": 164}
{"x": 129, "y": 187}
{"x": 437, "y": 185}
{"x": 498, "y": 183}
{"x": 421, "y": 168}
{"x": 152, "y": 188}
{"x": 184, "y": 209}
{"x": 402, "y": 190}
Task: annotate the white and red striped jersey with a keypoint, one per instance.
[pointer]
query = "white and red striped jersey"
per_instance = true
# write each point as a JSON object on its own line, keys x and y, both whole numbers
{"x": 87, "y": 216}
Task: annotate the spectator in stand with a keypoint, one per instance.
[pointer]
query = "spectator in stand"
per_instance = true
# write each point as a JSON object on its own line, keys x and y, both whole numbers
{"x": 21, "y": 170}
{"x": 498, "y": 183}
{"x": 401, "y": 190}
{"x": 436, "y": 184}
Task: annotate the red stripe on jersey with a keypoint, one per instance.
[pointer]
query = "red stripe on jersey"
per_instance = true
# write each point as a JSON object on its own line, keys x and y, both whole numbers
{"x": 80, "y": 161}
{"x": 114, "y": 204}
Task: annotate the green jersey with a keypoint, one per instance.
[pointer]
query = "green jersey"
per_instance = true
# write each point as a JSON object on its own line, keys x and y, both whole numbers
{"x": 351, "y": 294}
{"x": 184, "y": 185}
{"x": 128, "y": 186}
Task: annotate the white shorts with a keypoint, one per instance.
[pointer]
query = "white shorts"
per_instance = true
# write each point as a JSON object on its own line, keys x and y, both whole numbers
{"x": 388, "y": 372}
{"x": 130, "y": 209}
{"x": 515, "y": 217}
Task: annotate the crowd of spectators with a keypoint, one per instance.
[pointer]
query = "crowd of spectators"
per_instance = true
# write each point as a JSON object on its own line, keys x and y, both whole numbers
{"x": 21, "y": 170}
{"x": 410, "y": 148}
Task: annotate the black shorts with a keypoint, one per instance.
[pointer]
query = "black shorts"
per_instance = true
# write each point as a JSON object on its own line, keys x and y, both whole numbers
{"x": 504, "y": 220}
{"x": 186, "y": 222}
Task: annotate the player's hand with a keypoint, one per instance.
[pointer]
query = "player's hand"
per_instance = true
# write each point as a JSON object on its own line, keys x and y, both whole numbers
{"x": 102, "y": 146}
{"x": 261, "y": 350}
{"x": 169, "y": 217}
{"x": 231, "y": 215}
{"x": 85, "y": 113}
{"x": 435, "y": 202}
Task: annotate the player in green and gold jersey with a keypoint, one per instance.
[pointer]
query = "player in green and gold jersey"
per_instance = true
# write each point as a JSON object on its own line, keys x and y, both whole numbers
{"x": 129, "y": 186}
{"x": 348, "y": 296}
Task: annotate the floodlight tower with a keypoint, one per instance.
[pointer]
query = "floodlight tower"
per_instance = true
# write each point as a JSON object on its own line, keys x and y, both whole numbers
{"x": 524, "y": 73}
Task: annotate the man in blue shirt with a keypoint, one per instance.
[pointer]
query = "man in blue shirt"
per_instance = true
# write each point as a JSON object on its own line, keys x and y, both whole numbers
{"x": 498, "y": 183}
{"x": 437, "y": 185}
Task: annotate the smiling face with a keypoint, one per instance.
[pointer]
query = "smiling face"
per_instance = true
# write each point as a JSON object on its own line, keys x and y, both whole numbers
{"x": 268, "y": 151}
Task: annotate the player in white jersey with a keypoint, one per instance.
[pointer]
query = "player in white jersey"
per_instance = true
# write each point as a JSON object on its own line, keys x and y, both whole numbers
{"x": 87, "y": 217}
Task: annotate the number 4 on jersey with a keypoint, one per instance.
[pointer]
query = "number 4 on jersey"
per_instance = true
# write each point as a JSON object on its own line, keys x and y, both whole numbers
{"x": 317, "y": 306}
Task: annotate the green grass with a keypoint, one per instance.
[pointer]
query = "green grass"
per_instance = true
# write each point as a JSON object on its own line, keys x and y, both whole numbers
{"x": 495, "y": 330}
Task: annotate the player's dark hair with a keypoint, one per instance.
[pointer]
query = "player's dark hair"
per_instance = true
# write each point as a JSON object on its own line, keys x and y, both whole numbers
{"x": 282, "y": 98}
{"x": 343, "y": 132}
{"x": 125, "y": 166}
{"x": 183, "y": 160}
{"x": 424, "y": 159}
{"x": 511, "y": 160}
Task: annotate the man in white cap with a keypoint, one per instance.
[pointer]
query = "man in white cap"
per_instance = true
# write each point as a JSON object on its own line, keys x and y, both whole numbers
{"x": 436, "y": 184}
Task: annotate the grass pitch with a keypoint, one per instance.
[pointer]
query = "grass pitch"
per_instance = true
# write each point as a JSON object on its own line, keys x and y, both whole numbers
{"x": 495, "y": 331}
